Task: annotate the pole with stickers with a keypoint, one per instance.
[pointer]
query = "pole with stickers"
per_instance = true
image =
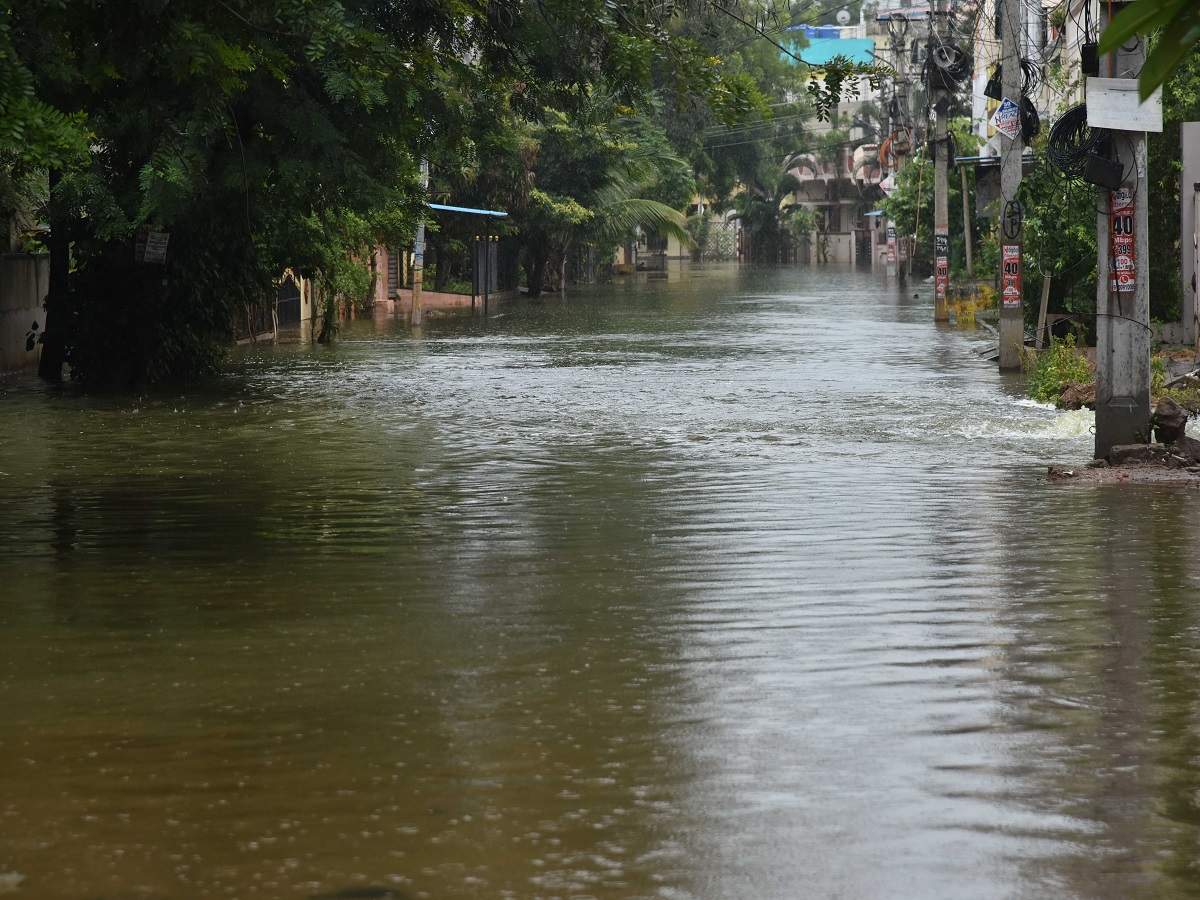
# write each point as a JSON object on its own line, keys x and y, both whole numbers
{"x": 1123, "y": 332}
{"x": 1007, "y": 121}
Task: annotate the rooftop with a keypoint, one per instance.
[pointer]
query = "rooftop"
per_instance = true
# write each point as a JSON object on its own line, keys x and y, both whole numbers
{"x": 820, "y": 50}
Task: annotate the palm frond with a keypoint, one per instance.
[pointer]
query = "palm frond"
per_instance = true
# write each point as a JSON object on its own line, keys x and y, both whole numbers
{"x": 787, "y": 183}
{"x": 621, "y": 217}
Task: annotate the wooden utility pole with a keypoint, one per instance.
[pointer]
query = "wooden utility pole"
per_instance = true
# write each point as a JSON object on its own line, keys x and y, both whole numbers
{"x": 1012, "y": 216}
{"x": 419, "y": 249}
{"x": 1123, "y": 282}
{"x": 941, "y": 183}
{"x": 1039, "y": 338}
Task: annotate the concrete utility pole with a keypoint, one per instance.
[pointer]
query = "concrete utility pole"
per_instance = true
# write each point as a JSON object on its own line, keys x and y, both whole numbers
{"x": 419, "y": 249}
{"x": 1012, "y": 216}
{"x": 1123, "y": 283}
{"x": 967, "y": 221}
{"x": 941, "y": 183}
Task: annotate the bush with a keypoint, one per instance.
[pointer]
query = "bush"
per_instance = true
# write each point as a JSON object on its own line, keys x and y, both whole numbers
{"x": 1053, "y": 370}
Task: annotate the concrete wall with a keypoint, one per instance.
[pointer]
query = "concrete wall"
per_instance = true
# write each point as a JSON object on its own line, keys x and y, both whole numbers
{"x": 676, "y": 249}
{"x": 841, "y": 247}
{"x": 24, "y": 282}
{"x": 437, "y": 300}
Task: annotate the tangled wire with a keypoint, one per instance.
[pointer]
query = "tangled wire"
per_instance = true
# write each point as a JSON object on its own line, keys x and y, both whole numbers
{"x": 947, "y": 66}
{"x": 1031, "y": 124}
{"x": 1071, "y": 140}
{"x": 1032, "y": 75}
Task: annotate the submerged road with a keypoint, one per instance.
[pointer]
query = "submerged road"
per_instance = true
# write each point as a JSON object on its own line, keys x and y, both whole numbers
{"x": 746, "y": 584}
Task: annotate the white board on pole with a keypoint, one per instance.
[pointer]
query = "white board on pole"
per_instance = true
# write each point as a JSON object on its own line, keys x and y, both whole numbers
{"x": 1114, "y": 103}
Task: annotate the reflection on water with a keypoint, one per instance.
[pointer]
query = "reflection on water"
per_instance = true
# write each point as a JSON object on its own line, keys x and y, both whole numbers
{"x": 746, "y": 584}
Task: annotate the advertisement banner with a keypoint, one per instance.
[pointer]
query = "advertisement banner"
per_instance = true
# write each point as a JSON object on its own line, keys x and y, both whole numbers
{"x": 1010, "y": 278}
{"x": 1007, "y": 119}
{"x": 941, "y": 264}
{"x": 1123, "y": 251}
{"x": 891, "y": 243}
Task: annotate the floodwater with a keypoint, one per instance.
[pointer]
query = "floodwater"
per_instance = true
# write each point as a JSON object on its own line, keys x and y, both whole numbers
{"x": 735, "y": 585}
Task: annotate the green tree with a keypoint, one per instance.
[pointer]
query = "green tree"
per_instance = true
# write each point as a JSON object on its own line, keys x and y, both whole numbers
{"x": 1059, "y": 239}
{"x": 591, "y": 178}
{"x": 266, "y": 134}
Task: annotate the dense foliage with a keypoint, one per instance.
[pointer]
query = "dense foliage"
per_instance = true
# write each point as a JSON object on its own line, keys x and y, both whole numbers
{"x": 264, "y": 135}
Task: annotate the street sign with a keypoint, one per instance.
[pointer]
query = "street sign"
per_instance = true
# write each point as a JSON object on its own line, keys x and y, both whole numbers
{"x": 151, "y": 246}
{"x": 1123, "y": 250}
{"x": 1007, "y": 119}
{"x": 1010, "y": 280}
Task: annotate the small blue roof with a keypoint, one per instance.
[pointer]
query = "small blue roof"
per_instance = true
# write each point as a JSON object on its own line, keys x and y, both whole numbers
{"x": 494, "y": 213}
{"x": 874, "y": 212}
{"x": 819, "y": 51}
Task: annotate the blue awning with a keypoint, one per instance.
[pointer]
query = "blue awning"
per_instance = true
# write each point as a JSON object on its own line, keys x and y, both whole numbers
{"x": 494, "y": 213}
{"x": 874, "y": 213}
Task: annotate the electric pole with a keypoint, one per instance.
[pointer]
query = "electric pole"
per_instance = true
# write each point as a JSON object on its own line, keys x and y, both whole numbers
{"x": 1123, "y": 283}
{"x": 967, "y": 222}
{"x": 1012, "y": 218}
{"x": 419, "y": 248}
{"x": 941, "y": 184}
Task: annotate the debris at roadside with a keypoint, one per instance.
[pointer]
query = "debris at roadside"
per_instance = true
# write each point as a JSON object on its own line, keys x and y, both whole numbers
{"x": 1174, "y": 459}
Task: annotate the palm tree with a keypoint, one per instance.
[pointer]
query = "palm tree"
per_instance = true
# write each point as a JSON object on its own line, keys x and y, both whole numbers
{"x": 765, "y": 218}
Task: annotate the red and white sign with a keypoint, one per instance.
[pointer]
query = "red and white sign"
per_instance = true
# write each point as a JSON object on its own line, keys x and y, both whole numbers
{"x": 1123, "y": 252}
{"x": 1010, "y": 275}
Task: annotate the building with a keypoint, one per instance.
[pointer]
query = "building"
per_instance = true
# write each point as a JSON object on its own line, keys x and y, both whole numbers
{"x": 839, "y": 170}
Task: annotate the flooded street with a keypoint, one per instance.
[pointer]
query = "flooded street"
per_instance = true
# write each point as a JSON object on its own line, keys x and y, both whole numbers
{"x": 744, "y": 584}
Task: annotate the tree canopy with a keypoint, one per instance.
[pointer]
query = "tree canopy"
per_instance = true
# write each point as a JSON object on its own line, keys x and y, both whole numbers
{"x": 266, "y": 135}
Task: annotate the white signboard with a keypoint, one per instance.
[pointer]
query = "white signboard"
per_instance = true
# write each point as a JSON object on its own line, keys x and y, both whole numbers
{"x": 1114, "y": 103}
{"x": 156, "y": 247}
{"x": 1007, "y": 119}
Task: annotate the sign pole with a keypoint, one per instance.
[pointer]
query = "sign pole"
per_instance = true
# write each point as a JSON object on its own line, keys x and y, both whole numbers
{"x": 1123, "y": 286}
{"x": 1012, "y": 218}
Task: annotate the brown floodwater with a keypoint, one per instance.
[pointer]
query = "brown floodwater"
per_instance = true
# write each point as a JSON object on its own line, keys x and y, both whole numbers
{"x": 743, "y": 584}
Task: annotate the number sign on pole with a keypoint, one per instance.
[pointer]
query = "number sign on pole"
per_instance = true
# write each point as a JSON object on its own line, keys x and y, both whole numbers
{"x": 1124, "y": 250}
{"x": 1010, "y": 287}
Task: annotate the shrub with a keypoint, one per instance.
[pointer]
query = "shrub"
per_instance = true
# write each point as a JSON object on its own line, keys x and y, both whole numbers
{"x": 1053, "y": 370}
